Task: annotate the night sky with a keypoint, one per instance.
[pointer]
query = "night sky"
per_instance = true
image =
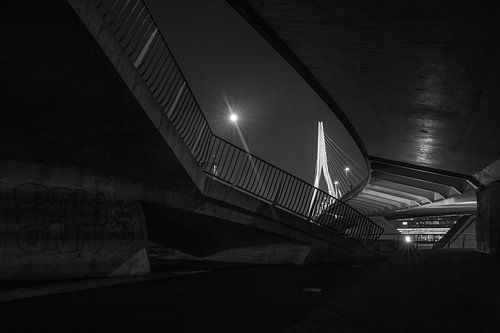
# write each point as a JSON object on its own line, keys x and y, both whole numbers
{"x": 224, "y": 59}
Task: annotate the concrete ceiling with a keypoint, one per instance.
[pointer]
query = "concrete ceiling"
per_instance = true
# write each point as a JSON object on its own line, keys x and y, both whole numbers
{"x": 398, "y": 190}
{"x": 413, "y": 81}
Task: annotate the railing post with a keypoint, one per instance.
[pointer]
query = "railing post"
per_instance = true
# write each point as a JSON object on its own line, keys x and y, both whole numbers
{"x": 277, "y": 194}
{"x": 235, "y": 178}
{"x": 313, "y": 204}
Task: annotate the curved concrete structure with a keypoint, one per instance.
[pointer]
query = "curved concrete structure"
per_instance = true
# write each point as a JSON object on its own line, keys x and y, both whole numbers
{"x": 417, "y": 83}
{"x": 89, "y": 153}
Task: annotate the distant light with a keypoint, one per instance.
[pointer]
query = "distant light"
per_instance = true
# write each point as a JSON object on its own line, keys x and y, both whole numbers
{"x": 336, "y": 182}
{"x": 347, "y": 169}
{"x": 405, "y": 223}
{"x": 408, "y": 239}
{"x": 233, "y": 117}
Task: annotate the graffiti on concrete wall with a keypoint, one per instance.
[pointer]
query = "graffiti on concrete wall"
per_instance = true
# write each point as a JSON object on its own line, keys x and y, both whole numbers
{"x": 123, "y": 221}
{"x": 66, "y": 220}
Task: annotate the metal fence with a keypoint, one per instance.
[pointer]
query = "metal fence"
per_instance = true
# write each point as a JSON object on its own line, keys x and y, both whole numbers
{"x": 138, "y": 34}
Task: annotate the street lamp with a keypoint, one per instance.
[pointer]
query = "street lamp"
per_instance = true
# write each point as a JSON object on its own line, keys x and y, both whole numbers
{"x": 336, "y": 183}
{"x": 347, "y": 176}
{"x": 233, "y": 117}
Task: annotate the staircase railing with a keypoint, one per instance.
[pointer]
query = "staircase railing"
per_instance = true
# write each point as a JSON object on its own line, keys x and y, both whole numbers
{"x": 139, "y": 36}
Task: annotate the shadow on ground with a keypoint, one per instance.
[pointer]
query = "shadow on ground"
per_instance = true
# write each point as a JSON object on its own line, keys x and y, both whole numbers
{"x": 412, "y": 291}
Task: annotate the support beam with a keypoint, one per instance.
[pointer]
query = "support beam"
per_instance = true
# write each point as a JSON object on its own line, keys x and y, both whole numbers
{"x": 379, "y": 202}
{"x": 430, "y": 195}
{"x": 445, "y": 190}
{"x": 404, "y": 201}
{"x": 377, "y": 198}
{"x": 417, "y": 198}
{"x": 363, "y": 207}
{"x": 460, "y": 184}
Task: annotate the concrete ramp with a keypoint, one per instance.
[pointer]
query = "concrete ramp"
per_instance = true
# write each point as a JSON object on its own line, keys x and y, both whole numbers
{"x": 97, "y": 148}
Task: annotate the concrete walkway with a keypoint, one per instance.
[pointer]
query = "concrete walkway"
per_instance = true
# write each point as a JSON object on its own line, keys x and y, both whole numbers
{"x": 433, "y": 291}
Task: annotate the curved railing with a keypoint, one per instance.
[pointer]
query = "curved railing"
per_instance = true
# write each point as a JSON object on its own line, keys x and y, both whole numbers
{"x": 138, "y": 34}
{"x": 355, "y": 190}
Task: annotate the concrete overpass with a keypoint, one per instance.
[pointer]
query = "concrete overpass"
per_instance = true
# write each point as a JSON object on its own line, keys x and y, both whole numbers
{"x": 414, "y": 82}
{"x": 104, "y": 148}
{"x": 91, "y": 165}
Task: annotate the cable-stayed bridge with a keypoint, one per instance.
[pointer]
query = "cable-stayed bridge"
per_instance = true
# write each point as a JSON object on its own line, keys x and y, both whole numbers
{"x": 389, "y": 188}
{"x": 340, "y": 171}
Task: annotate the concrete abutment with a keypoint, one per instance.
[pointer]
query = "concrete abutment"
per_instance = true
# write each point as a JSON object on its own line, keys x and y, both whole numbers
{"x": 65, "y": 222}
{"x": 52, "y": 231}
{"x": 488, "y": 219}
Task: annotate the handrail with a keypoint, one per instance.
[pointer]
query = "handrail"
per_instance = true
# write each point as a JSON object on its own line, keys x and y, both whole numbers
{"x": 139, "y": 36}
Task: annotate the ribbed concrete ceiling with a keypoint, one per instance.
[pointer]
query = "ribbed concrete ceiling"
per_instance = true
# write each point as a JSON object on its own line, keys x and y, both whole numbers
{"x": 419, "y": 80}
{"x": 398, "y": 189}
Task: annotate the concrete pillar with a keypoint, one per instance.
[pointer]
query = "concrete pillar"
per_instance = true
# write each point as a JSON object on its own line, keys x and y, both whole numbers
{"x": 488, "y": 219}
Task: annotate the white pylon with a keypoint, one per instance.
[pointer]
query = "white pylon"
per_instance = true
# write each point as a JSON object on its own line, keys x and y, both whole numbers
{"x": 322, "y": 162}
{"x": 322, "y": 167}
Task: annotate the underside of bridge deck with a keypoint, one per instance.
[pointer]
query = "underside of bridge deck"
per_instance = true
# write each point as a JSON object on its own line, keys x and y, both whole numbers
{"x": 415, "y": 81}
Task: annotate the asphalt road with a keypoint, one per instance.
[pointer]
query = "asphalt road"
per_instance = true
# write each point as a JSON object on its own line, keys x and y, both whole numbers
{"x": 443, "y": 291}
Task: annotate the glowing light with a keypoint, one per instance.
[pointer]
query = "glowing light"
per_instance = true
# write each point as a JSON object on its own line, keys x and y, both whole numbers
{"x": 408, "y": 239}
{"x": 336, "y": 182}
{"x": 233, "y": 117}
{"x": 347, "y": 169}
{"x": 322, "y": 167}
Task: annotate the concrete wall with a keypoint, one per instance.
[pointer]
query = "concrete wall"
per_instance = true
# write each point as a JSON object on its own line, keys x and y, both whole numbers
{"x": 488, "y": 219}
{"x": 65, "y": 103}
{"x": 184, "y": 163}
{"x": 62, "y": 232}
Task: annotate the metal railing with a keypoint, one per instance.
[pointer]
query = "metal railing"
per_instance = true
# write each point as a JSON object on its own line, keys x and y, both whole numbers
{"x": 139, "y": 36}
